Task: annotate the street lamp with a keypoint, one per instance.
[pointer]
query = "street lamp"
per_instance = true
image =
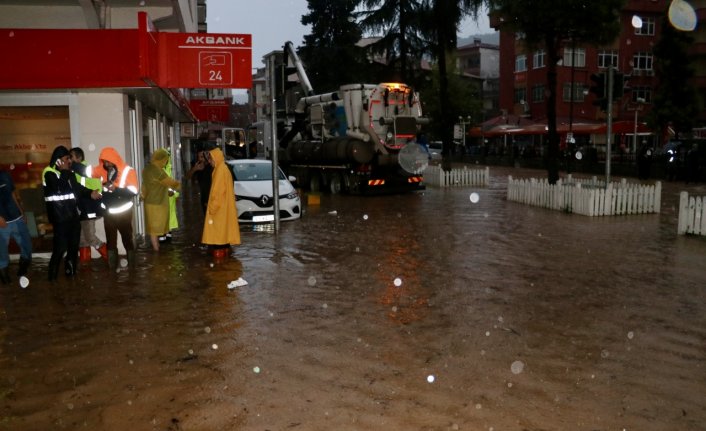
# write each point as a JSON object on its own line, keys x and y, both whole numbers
{"x": 640, "y": 102}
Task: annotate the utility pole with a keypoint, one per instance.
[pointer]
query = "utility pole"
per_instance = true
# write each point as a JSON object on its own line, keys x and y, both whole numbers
{"x": 609, "y": 121}
{"x": 273, "y": 134}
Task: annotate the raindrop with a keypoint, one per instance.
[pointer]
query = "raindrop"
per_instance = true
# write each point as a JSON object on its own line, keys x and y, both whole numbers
{"x": 487, "y": 333}
{"x": 91, "y": 147}
{"x": 509, "y": 384}
{"x": 207, "y": 329}
{"x": 49, "y": 52}
{"x": 365, "y": 217}
{"x": 312, "y": 281}
{"x": 394, "y": 309}
{"x": 12, "y": 166}
{"x": 479, "y": 406}
{"x": 357, "y": 249}
{"x": 70, "y": 406}
{"x": 475, "y": 198}
{"x": 398, "y": 282}
{"x": 123, "y": 263}
{"x": 325, "y": 305}
{"x": 211, "y": 264}
{"x": 24, "y": 282}
{"x": 517, "y": 367}
{"x": 214, "y": 346}
{"x": 210, "y": 221}
{"x": 12, "y": 34}
{"x": 256, "y": 370}
{"x": 636, "y": 21}
{"x": 500, "y": 319}
{"x": 130, "y": 362}
{"x": 630, "y": 335}
{"x": 431, "y": 378}
{"x": 191, "y": 351}
{"x": 579, "y": 156}
{"x": 604, "y": 354}
{"x": 142, "y": 2}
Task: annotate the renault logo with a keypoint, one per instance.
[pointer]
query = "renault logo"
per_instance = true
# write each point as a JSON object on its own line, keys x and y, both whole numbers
{"x": 264, "y": 200}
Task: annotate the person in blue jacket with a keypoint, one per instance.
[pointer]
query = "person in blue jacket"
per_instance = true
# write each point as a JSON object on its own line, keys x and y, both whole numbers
{"x": 12, "y": 225}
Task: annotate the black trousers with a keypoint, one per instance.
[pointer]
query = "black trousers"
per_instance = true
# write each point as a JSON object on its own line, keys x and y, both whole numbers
{"x": 122, "y": 223}
{"x": 66, "y": 239}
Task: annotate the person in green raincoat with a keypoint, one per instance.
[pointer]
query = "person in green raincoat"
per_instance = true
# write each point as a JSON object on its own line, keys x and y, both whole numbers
{"x": 173, "y": 196}
{"x": 155, "y": 193}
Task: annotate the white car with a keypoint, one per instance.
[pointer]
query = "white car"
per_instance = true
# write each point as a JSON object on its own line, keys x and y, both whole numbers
{"x": 253, "y": 192}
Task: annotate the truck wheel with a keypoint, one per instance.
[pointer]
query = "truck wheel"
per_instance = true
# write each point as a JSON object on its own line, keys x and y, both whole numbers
{"x": 314, "y": 182}
{"x": 335, "y": 184}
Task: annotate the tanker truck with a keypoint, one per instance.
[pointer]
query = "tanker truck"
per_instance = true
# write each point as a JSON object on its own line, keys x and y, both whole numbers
{"x": 360, "y": 139}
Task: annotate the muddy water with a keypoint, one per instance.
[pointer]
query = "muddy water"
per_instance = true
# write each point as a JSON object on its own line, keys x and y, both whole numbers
{"x": 416, "y": 312}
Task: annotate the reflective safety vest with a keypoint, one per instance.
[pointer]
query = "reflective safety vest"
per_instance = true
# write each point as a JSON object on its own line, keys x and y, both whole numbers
{"x": 122, "y": 198}
{"x": 90, "y": 209}
{"x": 59, "y": 197}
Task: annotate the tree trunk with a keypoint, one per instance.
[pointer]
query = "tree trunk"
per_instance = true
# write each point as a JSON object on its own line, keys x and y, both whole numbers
{"x": 552, "y": 157}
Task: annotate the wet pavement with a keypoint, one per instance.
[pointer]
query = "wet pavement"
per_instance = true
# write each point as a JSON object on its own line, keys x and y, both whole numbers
{"x": 423, "y": 311}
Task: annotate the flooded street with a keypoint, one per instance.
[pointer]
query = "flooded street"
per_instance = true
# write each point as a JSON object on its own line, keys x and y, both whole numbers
{"x": 410, "y": 312}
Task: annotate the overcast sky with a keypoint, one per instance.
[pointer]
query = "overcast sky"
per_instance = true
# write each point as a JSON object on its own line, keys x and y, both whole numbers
{"x": 273, "y": 22}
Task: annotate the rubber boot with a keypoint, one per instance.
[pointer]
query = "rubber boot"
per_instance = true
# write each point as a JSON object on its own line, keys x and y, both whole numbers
{"x": 131, "y": 258}
{"x": 5, "y": 275}
{"x": 84, "y": 254}
{"x": 70, "y": 267}
{"x": 113, "y": 259}
{"x": 103, "y": 250}
{"x": 24, "y": 266}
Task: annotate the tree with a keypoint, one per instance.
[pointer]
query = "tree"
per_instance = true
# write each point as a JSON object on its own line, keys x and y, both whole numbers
{"x": 466, "y": 99}
{"x": 442, "y": 18}
{"x": 551, "y": 25}
{"x": 330, "y": 52}
{"x": 397, "y": 22}
{"x": 676, "y": 98}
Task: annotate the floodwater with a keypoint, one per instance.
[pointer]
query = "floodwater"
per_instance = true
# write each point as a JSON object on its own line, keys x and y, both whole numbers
{"x": 424, "y": 311}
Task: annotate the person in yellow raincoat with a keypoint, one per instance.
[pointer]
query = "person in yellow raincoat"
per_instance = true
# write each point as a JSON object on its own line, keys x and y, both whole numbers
{"x": 155, "y": 192}
{"x": 220, "y": 228}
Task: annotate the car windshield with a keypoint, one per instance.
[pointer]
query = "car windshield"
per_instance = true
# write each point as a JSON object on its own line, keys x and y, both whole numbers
{"x": 254, "y": 172}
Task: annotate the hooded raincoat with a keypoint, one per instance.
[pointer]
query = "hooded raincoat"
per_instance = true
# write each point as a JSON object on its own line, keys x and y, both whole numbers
{"x": 155, "y": 192}
{"x": 221, "y": 221}
{"x": 123, "y": 178}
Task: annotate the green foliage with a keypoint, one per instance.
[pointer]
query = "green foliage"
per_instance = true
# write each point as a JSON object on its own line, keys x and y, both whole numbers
{"x": 466, "y": 100}
{"x": 329, "y": 51}
{"x": 676, "y": 99}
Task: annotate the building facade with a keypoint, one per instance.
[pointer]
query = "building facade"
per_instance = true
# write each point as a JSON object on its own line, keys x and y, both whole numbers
{"x": 78, "y": 104}
{"x": 523, "y": 74}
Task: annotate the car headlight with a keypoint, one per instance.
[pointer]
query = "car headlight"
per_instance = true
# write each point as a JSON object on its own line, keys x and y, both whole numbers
{"x": 292, "y": 195}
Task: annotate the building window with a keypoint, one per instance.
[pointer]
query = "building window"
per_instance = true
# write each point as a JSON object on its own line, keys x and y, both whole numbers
{"x": 644, "y": 93}
{"x": 521, "y": 63}
{"x": 648, "y": 27}
{"x": 538, "y": 93}
{"x": 607, "y": 57}
{"x": 520, "y": 95}
{"x": 538, "y": 59}
{"x": 578, "y": 55}
{"x": 578, "y": 92}
{"x": 642, "y": 61}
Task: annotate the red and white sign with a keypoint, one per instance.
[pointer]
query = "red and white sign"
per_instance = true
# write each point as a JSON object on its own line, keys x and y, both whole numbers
{"x": 215, "y": 110}
{"x": 142, "y": 57}
{"x": 190, "y": 60}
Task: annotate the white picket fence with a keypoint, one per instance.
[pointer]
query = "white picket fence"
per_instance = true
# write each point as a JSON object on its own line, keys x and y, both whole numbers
{"x": 616, "y": 199}
{"x": 435, "y": 176}
{"x": 692, "y": 214}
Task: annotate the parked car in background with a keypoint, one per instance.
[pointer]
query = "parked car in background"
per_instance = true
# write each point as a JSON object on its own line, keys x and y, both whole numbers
{"x": 253, "y": 192}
